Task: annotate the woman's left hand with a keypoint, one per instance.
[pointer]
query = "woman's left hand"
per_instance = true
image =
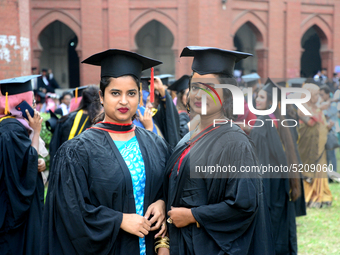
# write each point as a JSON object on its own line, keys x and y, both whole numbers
{"x": 157, "y": 212}
{"x": 41, "y": 165}
{"x": 181, "y": 216}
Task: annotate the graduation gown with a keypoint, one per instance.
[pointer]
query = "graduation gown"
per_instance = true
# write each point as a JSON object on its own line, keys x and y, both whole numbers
{"x": 184, "y": 119}
{"x": 167, "y": 120}
{"x": 90, "y": 189}
{"x": 300, "y": 203}
{"x": 277, "y": 190}
{"x": 21, "y": 191}
{"x": 231, "y": 211}
{"x": 63, "y": 129}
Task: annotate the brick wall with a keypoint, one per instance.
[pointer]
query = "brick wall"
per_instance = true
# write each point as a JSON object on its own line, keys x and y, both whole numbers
{"x": 15, "y": 50}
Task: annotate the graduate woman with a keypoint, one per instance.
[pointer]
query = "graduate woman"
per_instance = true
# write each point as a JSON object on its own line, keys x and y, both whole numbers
{"x": 105, "y": 192}
{"x": 275, "y": 147}
{"x": 21, "y": 184}
{"x": 181, "y": 86}
{"x": 224, "y": 213}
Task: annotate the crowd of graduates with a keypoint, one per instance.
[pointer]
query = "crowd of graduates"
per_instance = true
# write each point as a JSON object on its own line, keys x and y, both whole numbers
{"x": 123, "y": 155}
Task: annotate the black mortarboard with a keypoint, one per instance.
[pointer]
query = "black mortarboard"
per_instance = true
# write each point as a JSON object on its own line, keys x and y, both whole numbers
{"x": 181, "y": 84}
{"x": 52, "y": 122}
{"x": 17, "y": 85}
{"x": 80, "y": 91}
{"x": 116, "y": 63}
{"x": 268, "y": 87}
{"x": 209, "y": 60}
{"x": 296, "y": 82}
{"x": 164, "y": 78}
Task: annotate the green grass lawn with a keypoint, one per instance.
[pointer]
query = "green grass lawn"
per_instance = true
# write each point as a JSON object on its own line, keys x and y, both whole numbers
{"x": 319, "y": 231}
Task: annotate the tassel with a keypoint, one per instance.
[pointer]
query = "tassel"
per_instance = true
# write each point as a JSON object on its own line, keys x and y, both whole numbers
{"x": 287, "y": 85}
{"x": 6, "y": 105}
{"x": 76, "y": 96}
{"x": 141, "y": 94}
{"x": 152, "y": 87}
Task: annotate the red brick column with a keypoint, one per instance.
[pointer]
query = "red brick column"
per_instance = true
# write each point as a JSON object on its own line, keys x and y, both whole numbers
{"x": 119, "y": 29}
{"x": 293, "y": 40}
{"x": 15, "y": 48}
{"x": 336, "y": 34}
{"x": 276, "y": 39}
{"x": 92, "y": 39}
{"x": 262, "y": 60}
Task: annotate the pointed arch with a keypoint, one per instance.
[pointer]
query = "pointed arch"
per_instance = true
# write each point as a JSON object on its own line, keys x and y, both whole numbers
{"x": 322, "y": 28}
{"x": 48, "y": 18}
{"x": 255, "y": 23}
{"x": 148, "y": 16}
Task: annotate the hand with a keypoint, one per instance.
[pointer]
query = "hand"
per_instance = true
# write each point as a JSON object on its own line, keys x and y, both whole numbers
{"x": 158, "y": 85}
{"x": 181, "y": 216}
{"x": 41, "y": 165}
{"x": 35, "y": 122}
{"x": 163, "y": 251}
{"x": 146, "y": 119}
{"x": 135, "y": 224}
{"x": 157, "y": 212}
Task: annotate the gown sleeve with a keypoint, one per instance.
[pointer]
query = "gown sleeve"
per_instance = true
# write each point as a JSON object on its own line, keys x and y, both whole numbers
{"x": 167, "y": 120}
{"x": 229, "y": 219}
{"x": 19, "y": 175}
{"x": 263, "y": 153}
{"x": 73, "y": 223}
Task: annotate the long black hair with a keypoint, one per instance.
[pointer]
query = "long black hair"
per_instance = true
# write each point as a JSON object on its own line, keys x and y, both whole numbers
{"x": 90, "y": 102}
{"x": 104, "y": 82}
{"x": 289, "y": 147}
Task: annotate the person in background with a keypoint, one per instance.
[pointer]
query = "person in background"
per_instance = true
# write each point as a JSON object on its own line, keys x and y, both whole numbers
{"x": 318, "y": 76}
{"x": 275, "y": 147}
{"x": 21, "y": 184}
{"x": 45, "y": 84}
{"x": 330, "y": 111}
{"x": 181, "y": 86}
{"x": 313, "y": 132}
{"x": 324, "y": 77}
{"x": 76, "y": 122}
{"x": 65, "y": 101}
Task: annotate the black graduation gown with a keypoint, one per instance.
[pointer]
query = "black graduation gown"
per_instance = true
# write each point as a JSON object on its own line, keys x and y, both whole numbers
{"x": 300, "y": 203}
{"x": 277, "y": 190}
{"x": 21, "y": 191}
{"x": 90, "y": 189}
{"x": 63, "y": 129}
{"x": 184, "y": 119}
{"x": 167, "y": 120}
{"x": 231, "y": 211}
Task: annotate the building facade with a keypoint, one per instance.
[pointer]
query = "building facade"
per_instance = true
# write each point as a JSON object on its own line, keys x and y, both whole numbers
{"x": 288, "y": 38}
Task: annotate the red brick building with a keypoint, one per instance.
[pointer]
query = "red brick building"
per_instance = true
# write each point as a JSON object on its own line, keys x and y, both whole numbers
{"x": 287, "y": 37}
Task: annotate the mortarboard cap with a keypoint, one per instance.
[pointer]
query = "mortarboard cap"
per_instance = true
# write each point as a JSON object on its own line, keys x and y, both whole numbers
{"x": 209, "y": 60}
{"x": 181, "y": 84}
{"x": 80, "y": 91}
{"x": 251, "y": 77}
{"x": 116, "y": 63}
{"x": 298, "y": 82}
{"x": 164, "y": 78}
{"x": 17, "y": 85}
{"x": 268, "y": 87}
{"x": 52, "y": 122}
